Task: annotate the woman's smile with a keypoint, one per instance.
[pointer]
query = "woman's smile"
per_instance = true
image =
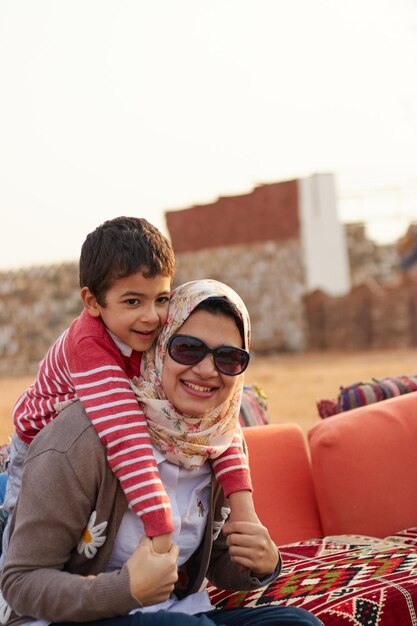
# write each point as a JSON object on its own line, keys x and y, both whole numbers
{"x": 198, "y": 387}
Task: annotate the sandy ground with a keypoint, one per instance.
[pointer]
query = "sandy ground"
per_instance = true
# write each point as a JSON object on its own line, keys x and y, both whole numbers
{"x": 292, "y": 382}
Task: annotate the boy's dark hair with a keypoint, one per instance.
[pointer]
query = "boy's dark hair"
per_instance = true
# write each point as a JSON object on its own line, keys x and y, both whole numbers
{"x": 220, "y": 305}
{"x": 121, "y": 247}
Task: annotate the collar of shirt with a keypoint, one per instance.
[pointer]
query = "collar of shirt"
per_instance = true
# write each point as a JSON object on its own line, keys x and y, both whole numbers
{"x": 123, "y": 347}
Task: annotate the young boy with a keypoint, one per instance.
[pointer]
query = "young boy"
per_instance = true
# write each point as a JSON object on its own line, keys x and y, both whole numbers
{"x": 126, "y": 270}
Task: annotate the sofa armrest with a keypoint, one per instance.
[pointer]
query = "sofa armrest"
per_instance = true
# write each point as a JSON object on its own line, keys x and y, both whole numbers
{"x": 283, "y": 486}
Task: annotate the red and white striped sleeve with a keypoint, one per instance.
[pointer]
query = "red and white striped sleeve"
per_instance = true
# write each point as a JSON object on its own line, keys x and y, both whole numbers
{"x": 52, "y": 390}
{"x": 104, "y": 390}
{"x": 231, "y": 468}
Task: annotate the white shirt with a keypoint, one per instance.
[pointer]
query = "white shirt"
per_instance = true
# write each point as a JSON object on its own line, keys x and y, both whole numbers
{"x": 189, "y": 495}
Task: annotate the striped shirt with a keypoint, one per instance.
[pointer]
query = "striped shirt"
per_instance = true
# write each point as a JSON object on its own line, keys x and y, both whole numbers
{"x": 87, "y": 363}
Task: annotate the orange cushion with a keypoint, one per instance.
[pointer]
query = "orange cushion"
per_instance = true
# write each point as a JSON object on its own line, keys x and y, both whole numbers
{"x": 364, "y": 465}
{"x": 283, "y": 487}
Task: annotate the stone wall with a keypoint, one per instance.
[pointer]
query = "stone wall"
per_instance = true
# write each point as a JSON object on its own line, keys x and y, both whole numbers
{"x": 270, "y": 279}
{"x": 370, "y": 316}
{"x": 36, "y": 305}
{"x": 268, "y": 245}
{"x": 380, "y": 311}
{"x": 367, "y": 259}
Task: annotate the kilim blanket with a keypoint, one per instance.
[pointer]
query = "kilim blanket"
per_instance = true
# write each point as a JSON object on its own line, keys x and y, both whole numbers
{"x": 253, "y": 410}
{"x": 344, "y": 581}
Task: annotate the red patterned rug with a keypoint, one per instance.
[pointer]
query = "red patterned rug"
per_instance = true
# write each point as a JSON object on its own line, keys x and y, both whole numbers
{"x": 355, "y": 581}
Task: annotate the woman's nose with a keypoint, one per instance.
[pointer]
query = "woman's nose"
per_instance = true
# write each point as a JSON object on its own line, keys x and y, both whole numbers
{"x": 206, "y": 367}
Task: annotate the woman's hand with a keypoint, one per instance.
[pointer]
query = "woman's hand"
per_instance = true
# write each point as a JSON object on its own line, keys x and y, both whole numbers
{"x": 251, "y": 547}
{"x": 152, "y": 576}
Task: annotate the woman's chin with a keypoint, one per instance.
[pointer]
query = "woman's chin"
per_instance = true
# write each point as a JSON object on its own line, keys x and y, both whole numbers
{"x": 195, "y": 410}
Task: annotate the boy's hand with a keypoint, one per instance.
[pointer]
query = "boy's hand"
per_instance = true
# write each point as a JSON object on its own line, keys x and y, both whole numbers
{"x": 162, "y": 543}
{"x": 152, "y": 576}
{"x": 251, "y": 546}
{"x": 242, "y": 509}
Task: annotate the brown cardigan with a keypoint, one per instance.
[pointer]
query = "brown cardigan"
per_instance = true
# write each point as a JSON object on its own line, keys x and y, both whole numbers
{"x": 66, "y": 478}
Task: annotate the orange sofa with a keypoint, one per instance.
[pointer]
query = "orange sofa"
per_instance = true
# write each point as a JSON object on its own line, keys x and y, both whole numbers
{"x": 341, "y": 503}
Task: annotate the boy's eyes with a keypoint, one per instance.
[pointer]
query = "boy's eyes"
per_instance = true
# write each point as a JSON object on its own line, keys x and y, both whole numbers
{"x": 136, "y": 301}
{"x": 132, "y": 301}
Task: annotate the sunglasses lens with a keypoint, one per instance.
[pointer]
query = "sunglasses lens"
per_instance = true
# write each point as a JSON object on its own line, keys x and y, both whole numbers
{"x": 187, "y": 350}
{"x": 231, "y": 361}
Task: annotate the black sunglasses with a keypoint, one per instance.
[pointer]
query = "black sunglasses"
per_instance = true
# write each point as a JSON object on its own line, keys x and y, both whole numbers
{"x": 189, "y": 350}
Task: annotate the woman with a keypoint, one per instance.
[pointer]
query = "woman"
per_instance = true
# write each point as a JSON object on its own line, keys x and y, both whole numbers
{"x": 77, "y": 554}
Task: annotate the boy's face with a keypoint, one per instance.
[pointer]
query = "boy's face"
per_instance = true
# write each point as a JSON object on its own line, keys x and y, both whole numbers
{"x": 135, "y": 308}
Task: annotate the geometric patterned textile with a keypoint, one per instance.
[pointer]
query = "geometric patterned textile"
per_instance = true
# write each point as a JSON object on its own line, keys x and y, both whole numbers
{"x": 361, "y": 394}
{"x": 343, "y": 580}
{"x": 253, "y": 411}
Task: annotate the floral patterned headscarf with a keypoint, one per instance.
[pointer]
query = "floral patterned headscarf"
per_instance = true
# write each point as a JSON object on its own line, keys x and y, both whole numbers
{"x": 188, "y": 440}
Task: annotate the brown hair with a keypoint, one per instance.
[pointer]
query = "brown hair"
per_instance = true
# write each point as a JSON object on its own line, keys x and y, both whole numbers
{"x": 121, "y": 247}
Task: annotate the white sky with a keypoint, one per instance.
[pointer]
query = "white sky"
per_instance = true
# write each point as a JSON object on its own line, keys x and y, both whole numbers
{"x": 129, "y": 107}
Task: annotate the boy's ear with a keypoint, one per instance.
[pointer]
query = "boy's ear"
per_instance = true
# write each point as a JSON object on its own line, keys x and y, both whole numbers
{"x": 90, "y": 302}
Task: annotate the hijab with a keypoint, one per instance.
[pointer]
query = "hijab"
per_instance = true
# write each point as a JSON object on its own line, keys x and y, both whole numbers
{"x": 188, "y": 440}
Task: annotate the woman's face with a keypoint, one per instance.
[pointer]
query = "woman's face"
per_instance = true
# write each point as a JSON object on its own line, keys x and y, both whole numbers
{"x": 197, "y": 389}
